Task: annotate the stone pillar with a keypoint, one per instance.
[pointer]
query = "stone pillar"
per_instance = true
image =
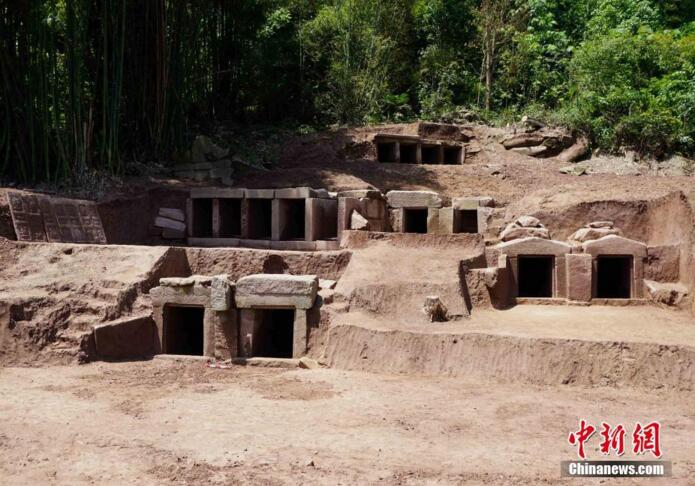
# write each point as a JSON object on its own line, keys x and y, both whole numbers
{"x": 321, "y": 219}
{"x": 513, "y": 267}
{"x": 209, "y": 321}
{"x": 397, "y": 152}
{"x": 445, "y": 221}
{"x": 579, "y": 276}
{"x": 345, "y": 207}
{"x": 278, "y": 221}
{"x": 432, "y": 220}
{"x": 560, "y": 278}
{"x": 245, "y": 218}
{"x": 215, "y": 218}
{"x": 247, "y": 326}
{"x": 300, "y": 333}
{"x": 440, "y": 155}
{"x": 158, "y": 316}
{"x": 226, "y": 335}
{"x": 418, "y": 154}
{"x": 483, "y": 217}
{"x": 637, "y": 277}
{"x": 312, "y": 219}
{"x": 189, "y": 216}
{"x": 396, "y": 218}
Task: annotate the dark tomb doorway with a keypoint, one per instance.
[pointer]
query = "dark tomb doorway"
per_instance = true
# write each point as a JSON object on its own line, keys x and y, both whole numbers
{"x": 535, "y": 276}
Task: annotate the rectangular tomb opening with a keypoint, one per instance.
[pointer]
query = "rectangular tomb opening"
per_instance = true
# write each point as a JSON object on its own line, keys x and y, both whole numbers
{"x": 408, "y": 153}
{"x": 466, "y": 221}
{"x": 230, "y": 218}
{"x": 202, "y": 218}
{"x": 414, "y": 220}
{"x": 430, "y": 154}
{"x": 535, "y": 276}
{"x": 386, "y": 152}
{"x": 292, "y": 219}
{"x": 260, "y": 220}
{"x": 273, "y": 335}
{"x": 452, "y": 155}
{"x": 613, "y": 276}
{"x": 183, "y": 330}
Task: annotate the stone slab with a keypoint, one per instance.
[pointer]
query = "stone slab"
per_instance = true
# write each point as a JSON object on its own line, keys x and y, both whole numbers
{"x": 297, "y": 193}
{"x": 361, "y": 193}
{"x": 533, "y": 246}
{"x": 327, "y": 245}
{"x": 259, "y": 193}
{"x": 214, "y": 242}
{"x": 615, "y": 245}
{"x": 276, "y": 290}
{"x": 170, "y": 234}
{"x": 472, "y": 202}
{"x": 293, "y": 245}
{"x": 162, "y": 222}
{"x": 45, "y": 218}
{"x": 172, "y": 213}
{"x": 125, "y": 338}
{"x": 27, "y": 217}
{"x": 414, "y": 199}
{"x": 193, "y": 295}
{"x": 217, "y": 192}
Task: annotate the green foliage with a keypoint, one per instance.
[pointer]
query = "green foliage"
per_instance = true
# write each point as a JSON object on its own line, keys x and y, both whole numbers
{"x": 91, "y": 86}
{"x": 624, "y": 15}
{"x": 637, "y": 90}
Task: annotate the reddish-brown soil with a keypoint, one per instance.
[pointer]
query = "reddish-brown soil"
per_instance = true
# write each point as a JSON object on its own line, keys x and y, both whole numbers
{"x": 166, "y": 423}
{"x": 484, "y": 399}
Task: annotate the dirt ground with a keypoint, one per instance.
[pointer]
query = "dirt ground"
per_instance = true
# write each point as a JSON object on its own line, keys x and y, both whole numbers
{"x": 163, "y": 422}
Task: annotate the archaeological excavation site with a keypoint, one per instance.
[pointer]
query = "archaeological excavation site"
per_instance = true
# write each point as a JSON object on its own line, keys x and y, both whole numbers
{"x": 382, "y": 259}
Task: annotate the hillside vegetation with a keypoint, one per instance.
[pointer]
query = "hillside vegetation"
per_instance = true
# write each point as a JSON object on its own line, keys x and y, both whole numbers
{"x": 94, "y": 85}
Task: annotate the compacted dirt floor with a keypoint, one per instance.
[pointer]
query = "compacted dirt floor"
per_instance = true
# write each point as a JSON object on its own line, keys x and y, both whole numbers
{"x": 167, "y": 422}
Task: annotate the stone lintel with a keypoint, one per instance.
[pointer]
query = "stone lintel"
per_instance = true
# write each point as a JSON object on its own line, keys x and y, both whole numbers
{"x": 414, "y": 199}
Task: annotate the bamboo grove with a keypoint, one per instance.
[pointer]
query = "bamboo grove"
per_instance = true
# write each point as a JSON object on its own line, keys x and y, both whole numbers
{"x": 89, "y": 85}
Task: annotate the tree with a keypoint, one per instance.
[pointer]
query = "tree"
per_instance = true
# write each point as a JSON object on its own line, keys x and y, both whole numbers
{"x": 497, "y": 20}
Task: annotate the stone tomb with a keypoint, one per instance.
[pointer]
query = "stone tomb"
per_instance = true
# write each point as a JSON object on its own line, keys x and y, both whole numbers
{"x": 424, "y": 212}
{"x": 274, "y": 313}
{"x": 265, "y": 315}
{"x": 409, "y": 149}
{"x": 535, "y": 267}
{"x": 414, "y": 211}
{"x": 194, "y": 316}
{"x": 617, "y": 267}
{"x": 606, "y": 269}
{"x": 466, "y": 215}
{"x": 283, "y": 219}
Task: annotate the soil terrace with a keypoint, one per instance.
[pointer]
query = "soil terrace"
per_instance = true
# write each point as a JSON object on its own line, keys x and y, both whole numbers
{"x": 485, "y": 398}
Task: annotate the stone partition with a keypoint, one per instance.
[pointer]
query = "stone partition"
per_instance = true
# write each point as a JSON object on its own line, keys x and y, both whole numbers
{"x": 411, "y": 149}
{"x": 299, "y": 218}
{"x": 367, "y": 204}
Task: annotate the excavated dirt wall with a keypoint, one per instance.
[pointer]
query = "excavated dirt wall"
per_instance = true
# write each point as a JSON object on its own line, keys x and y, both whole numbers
{"x": 509, "y": 359}
{"x": 51, "y": 294}
{"x": 238, "y": 262}
{"x": 129, "y": 220}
